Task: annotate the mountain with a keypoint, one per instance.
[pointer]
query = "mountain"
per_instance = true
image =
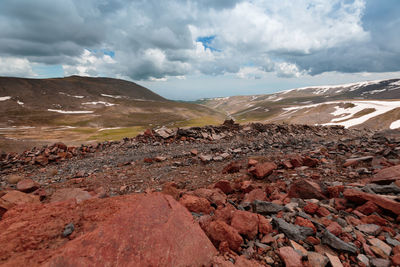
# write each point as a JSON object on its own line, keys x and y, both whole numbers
{"x": 372, "y": 104}
{"x": 83, "y": 109}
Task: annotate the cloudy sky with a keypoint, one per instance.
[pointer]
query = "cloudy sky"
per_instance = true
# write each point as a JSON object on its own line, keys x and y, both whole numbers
{"x": 189, "y": 49}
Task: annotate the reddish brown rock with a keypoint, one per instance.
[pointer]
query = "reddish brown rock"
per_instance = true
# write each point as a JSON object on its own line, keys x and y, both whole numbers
{"x": 133, "y": 230}
{"x": 306, "y": 189}
{"x": 396, "y": 259}
{"x": 64, "y": 194}
{"x": 256, "y": 194}
{"x": 196, "y": 204}
{"x": 334, "y": 228}
{"x": 171, "y": 189}
{"x": 374, "y": 219}
{"x": 225, "y": 186}
{"x": 296, "y": 161}
{"x": 219, "y": 231}
{"x": 14, "y": 198}
{"x": 246, "y": 223}
{"x": 156, "y": 231}
{"x": 246, "y": 186}
{"x": 215, "y": 195}
{"x": 27, "y": 185}
{"x": 361, "y": 197}
{"x": 368, "y": 208}
{"x": 262, "y": 170}
{"x": 310, "y": 162}
{"x": 310, "y": 208}
{"x": 322, "y": 212}
{"x": 334, "y": 191}
{"x": 225, "y": 214}
{"x": 252, "y": 162}
{"x": 232, "y": 167}
{"x": 264, "y": 226}
{"x": 290, "y": 257}
{"x": 387, "y": 175}
{"x": 305, "y": 223}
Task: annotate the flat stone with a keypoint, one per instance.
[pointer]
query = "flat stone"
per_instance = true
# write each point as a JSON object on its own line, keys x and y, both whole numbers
{"x": 64, "y": 194}
{"x": 306, "y": 189}
{"x": 19, "y": 198}
{"x": 360, "y": 197}
{"x": 370, "y": 229}
{"x": 294, "y": 232}
{"x": 380, "y": 244}
{"x": 298, "y": 248}
{"x": 387, "y": 175}
{"x": 334, "y": 260}
{"x": 290, "y": 257}
{"x": 266, "y": 208}
{"x": 317, "y": 260}
{"x": 364, "y": 259}
{"x": 262, "y": 170}
{"x": 392, "y": 242}
{"x": 337, "y": 243}
{"x": 27, "y": 185}
{"x": 376, "y": 262}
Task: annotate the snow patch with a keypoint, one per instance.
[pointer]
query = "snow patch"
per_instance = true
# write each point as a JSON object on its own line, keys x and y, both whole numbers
{"x": 395, "y": 125}
{"x": 70, "y": 112}
{"x": 99, "y": 103}
{"x": 76, "y": 96}
{"x": 111, "y": 128}
{"x": 112, "y": 96}
{"x": 4, "y": 98}
{"x": 20, "y": 103}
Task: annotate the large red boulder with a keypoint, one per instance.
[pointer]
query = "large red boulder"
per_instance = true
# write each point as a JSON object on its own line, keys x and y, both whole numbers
{"x": 306, "y": 189}
{"x": 133, "y": 230}
{"x": 387, "y": 175}
{"x": 262, "y": 170}
{"x": 361, "y": 197}
{"x": 246, "y": 223}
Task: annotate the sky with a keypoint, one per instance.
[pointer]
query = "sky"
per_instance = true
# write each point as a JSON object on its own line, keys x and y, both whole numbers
{"x": 191, "y": 49}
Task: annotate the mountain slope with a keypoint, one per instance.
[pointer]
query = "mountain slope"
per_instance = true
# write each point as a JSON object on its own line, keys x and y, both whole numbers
{"x": 366, "y": 104}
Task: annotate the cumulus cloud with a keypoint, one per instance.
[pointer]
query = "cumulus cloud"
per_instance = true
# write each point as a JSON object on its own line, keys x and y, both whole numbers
{"x": 11, "y": 66}
{"x": 152, "y": 40}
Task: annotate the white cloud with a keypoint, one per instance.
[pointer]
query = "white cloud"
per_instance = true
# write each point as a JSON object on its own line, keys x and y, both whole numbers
{"x": 12, "y": 66}
{"x": 90, "y": 64}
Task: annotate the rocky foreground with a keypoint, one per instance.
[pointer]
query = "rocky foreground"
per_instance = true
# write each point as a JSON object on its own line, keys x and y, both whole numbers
{"x": 230, "y": 195}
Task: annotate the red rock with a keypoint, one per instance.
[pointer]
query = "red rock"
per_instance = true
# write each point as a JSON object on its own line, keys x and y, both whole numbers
{"x": 252, "y": 162}
{"x": 215, "y": 195}
{"x": 262, "y": 170}
{"x": 287, "y": 164}
{"x": 264, "y": 226}
{"x": 232, "y": 167}
{"x": 256, "y": 194}
{"x": 42, "y": 160}
{"x": 368, "y": 208}
{"x": 61, "y": 146}
{"x": 131, "y": 230}
{"x": 387, "y": 175}
{"x": 225, "y": 186}
{"x": 310, "y": 162}
{"x": 64, "y": 194}
{"x": 225, "y": 214}
{"x": 334, "y": 191}
{"x": 340, "y": 203}
{"x": 374, "y": 219}
{"x": 27, "y": 185}
{"x": 361, "y": 197}
{"x": 322, "y": 212}
{"x": 396, "y": 250}
{"x": 305, "y": 223}
{"x": 246, "y": 186}
{"x": 296, "y": 161}
{"x": 4, "y": 206}
{"x": 246, "y": 223}
{"x": 219, "y": 231}
{"x": 170, "y": 189}
{"x": 196, "y": 204}
{"x": 313, "y": 240}
{"x": 334, "y": 228}
{"x": 306, "y": 189}
{"x": 290, "y": 257}
{"x": 18, "y": 198}
{"x": 310, "y": 208}
{"x": 396, "y": 259}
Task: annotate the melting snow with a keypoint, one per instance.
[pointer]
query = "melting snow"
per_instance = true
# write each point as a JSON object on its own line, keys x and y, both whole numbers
{"x": 374, "y": 91}
{"x": 4, "y": 98}
{"x": 76, "y": 96}
{"x": 70, "y": 112}
{"x": 112, "y": 128}
{"x": 395, "y": 124}
{"x": 112, "y": 96}
{"x": 99, "y": 102}
{"x": 380, "y": 107}
{"x": 20, "y": 103}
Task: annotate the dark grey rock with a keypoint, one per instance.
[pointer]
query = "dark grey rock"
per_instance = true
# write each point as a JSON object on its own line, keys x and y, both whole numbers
{"x": 336, "y": 243}
{"x": 266, "y": 208}
{"x": 382, "y": 189}
{"x": 69, "y": 228}
{"x": 294, "y": 232}
{"x": 380, "y": 262}
{"x": 392, "y": 242}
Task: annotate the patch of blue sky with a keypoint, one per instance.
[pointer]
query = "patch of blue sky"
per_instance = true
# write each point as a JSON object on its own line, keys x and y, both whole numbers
{"x": 47, "y": 71}
{"x": 104, "y": 51}
{"x": 207, "y": 42}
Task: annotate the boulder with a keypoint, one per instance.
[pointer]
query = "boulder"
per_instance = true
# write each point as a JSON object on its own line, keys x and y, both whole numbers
{"x": 134, "y": 230}
{"x": 361, "y": 197}
{"x": 27, "y": 185}
{"x": 387, "y": 175}
{"x": 246, "y": 223}
{"x": 306, "y": 189}
{"x": 262, "y": 170}
{"x": 64, "y": 194}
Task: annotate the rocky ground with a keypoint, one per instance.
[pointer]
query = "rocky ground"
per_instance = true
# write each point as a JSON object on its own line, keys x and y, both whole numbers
{"x": 229, "y": 195}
